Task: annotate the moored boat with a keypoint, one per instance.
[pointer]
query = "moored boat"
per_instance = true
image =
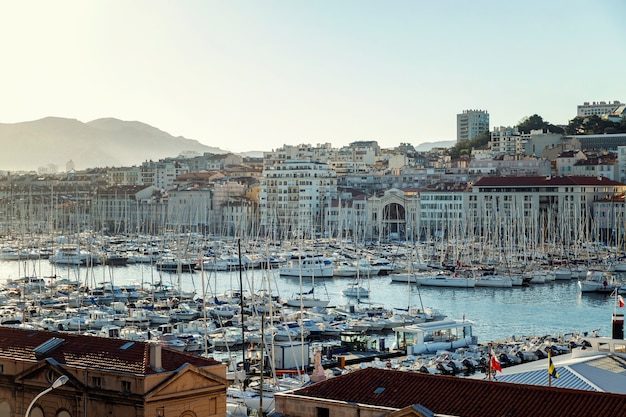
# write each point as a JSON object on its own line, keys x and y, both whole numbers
{"x": 429, "y": 337}
{"x": 598, "y": 281}
{"x": 308, "y": 267}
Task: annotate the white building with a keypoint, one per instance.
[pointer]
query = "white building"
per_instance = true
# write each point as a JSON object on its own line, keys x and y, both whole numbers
{"x": 441, "y": 213}
{"x": 128, "y": 209}
{"x": 201, "y": 207}
{"x": 564, "y": 163}
{"x": 538, "y": 140}
{"x": 523, "y": 166}
{"x": 124, "y": 176}
{"x": 516, "y": 210}
{"x": 621, "y": 164}
{"x": 471, "y": 123}
{"x": 598, "y": 108}
{"x": 162, "y": 174}
{"x": 293, "y": 197}
{"x": 507, "y": 141}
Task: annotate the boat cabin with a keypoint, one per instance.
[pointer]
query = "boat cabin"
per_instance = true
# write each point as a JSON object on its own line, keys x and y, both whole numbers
{"x": 429, "y": 337}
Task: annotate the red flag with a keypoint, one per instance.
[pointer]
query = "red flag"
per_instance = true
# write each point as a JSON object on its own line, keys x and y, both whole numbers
{"x": 620, "y": 300}
{"x": 495, "y": 363}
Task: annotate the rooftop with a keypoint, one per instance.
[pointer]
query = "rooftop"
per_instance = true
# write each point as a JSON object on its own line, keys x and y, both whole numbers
{"x": 90, "y": 351}
{"x": 544, "y": 181}
{"x": 457, "y": 396}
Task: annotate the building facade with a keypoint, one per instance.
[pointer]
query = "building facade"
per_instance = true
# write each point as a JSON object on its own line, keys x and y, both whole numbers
{"x": 294, "y": 196}
{"x": 598, "y": 108}
{"x": 105, "y": 377}
{"x": 471, "y": 123}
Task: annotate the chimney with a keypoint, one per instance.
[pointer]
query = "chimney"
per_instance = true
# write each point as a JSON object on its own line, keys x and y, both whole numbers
{"x": 155, "y": 357}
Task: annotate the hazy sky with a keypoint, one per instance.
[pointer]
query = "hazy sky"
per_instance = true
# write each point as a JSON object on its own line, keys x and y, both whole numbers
{"x": 248, "y": 75}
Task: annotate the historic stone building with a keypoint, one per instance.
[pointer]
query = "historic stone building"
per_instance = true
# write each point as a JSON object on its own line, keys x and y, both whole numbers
{"x": 105, "y": 377}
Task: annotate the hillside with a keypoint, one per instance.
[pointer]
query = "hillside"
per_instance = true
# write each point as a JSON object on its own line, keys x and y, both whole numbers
{"x": 99, "y": 143}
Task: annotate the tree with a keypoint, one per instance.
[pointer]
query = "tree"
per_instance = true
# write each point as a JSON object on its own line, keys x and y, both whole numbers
{"x": 465, "y": 147}
{"x": 536, "y": 122}
{"x": 576, "y": 126}
{"x": 594, "y": 125}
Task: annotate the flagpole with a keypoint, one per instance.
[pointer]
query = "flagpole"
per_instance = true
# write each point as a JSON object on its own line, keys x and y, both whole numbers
{"x": 549, "y": 370}
{"x": 490, "y": 369}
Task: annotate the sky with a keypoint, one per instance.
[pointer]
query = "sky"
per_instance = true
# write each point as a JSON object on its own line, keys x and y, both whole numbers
{"x": 254, "y": 75}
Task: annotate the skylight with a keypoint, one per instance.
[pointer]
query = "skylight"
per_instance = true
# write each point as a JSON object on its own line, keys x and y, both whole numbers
{"x": 48, "y": 346}
{"x": 126, "y": 345}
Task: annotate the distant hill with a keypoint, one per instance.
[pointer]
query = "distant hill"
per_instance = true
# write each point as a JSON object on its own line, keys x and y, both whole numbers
{"x": 99, "y": 143}
{"x": 427, "y": 146}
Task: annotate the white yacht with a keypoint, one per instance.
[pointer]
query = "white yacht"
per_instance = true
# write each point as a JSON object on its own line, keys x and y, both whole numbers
{"x": 308, "y": 267}
{"x": 429, "y": 337}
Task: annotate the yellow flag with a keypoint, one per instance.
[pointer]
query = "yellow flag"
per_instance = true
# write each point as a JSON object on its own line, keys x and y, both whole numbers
{"x": 551, "y": 369}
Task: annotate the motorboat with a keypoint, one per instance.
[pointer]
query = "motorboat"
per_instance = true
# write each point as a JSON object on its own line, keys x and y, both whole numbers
{"x": 355, "y": 290}
{"x": 442, "y": 279}
{"x": 68, "y": 255}
{"x": 308, "y": 267}
{"x": 429, "y": 337}
{"x": 171, "y": 264}
{"x": 598, "y": 281}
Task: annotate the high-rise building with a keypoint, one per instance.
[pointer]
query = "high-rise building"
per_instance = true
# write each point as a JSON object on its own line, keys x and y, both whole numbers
{"x": 471, "y": 123}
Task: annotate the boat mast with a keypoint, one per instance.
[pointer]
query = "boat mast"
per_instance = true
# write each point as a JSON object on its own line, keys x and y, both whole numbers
{"x": 243, "y": 327}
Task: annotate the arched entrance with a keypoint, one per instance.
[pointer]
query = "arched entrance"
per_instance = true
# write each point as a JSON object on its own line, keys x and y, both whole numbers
{"x": 394, "y": 222}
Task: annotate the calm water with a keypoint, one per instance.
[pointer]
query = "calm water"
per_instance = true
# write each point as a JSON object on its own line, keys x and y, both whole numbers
{"x": 498, "y": 313}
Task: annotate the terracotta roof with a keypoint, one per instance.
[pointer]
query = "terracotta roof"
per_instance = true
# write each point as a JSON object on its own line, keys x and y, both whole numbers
{"x": 465, "y": 397}
{"x": 544, "y": 181}
{"x": 91, "y": 351}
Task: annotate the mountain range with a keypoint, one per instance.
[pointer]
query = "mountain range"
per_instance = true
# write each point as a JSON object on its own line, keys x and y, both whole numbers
{"x": 101, "y": 143}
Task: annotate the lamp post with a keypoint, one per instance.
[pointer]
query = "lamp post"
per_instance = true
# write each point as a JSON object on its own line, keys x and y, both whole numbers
{"x": 56, "y": 384}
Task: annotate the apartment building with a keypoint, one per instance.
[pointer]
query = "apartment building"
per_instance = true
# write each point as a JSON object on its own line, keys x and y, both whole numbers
{"x": 162, "y": 174}
{"x": 471, "y": 123}
{"x": 517, "y": 166}
{"x": 528, "y": 207}
{"x": 507, "y": 141}
{"x": 599, "y": 166}
{"x": 565, "y": 161}
{"x": 124, "y": 176}
{"x": 123, "y": 209}
{"x": 293, "y": 196}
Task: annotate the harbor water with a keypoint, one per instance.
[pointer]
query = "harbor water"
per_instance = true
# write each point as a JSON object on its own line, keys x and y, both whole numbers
{"x": 498, "y": 313}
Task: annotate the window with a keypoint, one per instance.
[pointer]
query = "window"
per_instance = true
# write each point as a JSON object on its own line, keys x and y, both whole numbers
{"x": 96, "y": 381}
{"x": 125, "y": 386}
{"x": 323, "y": 412}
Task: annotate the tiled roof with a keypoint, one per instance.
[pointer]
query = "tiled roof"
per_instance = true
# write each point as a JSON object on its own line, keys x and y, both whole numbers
{"x": 544, "y": 181}
{"x": 91, "y": 351}
{"x": 465, "y": 397}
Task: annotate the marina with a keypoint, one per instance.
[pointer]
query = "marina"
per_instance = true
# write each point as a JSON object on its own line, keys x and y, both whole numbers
{"x": 556, "y": 307}
{"x": 386, "y": 313}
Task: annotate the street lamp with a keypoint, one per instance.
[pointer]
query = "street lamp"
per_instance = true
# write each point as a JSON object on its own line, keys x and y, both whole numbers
{"x": 56, "y": 384}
